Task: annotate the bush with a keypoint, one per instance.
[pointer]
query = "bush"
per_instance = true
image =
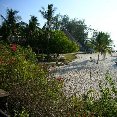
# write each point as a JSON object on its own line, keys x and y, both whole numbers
{"x": 33, "y": 93}
{"x": 59, "y": 43}
{"x": 27, "y": 82}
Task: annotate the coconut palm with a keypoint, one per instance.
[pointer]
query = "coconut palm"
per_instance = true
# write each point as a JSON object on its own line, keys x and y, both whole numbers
{"x": 10, "y": 24}
{"x": 107, "y": 43}
{"x": 102, "y": 43}
{"x": 33, "y": 27}
{"x": 48, "y": 15}
{"x": 32, "y": 31}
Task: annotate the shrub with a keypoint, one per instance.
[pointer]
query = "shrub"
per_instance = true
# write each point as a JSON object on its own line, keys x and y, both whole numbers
{"x": 28, "y": 83}
{"x": 33, "y": 93}
{"x": 59, "y": 43}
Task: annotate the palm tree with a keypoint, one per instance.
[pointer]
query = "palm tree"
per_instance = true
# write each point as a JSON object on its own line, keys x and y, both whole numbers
{"x": 107, "y": 43}
{"x": 34, "y": 35}
{"x": 102, "y": 43}
{"x": 48, "y": 15}
{"x": 10, "y": 24}
{"x": 33, "y": 26}
{"x": 32, "y": 31}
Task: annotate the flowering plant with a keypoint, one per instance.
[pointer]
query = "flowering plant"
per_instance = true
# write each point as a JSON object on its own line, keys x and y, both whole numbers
{"x": 13, "y": 47}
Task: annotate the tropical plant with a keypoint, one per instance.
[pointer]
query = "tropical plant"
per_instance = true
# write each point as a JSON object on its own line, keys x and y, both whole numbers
{"x": 102, "y": 43}
{"x": 60, "y": 43}
{"x": 10, "y": 25}
{"x": 33, "y": 93}
{"x": 32, "y": 31}
{"x": 48, "y": 15}
{"x": 76, "y": 28}
{"x": 56, "y": 22}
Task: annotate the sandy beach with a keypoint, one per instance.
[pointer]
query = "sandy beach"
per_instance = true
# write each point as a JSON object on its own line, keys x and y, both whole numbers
{"x": 81, "y": 75}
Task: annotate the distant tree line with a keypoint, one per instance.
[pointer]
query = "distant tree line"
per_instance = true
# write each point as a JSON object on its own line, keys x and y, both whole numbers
{"x": 60, "y": 34}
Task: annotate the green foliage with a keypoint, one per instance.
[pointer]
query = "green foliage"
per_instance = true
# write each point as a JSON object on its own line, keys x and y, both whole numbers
{"x": 23, "y": 113}
{"x": 33, "y": 93}
{"x": 102, "y": 43}
{"x": 59, "y": 43}
{"x": 11, "y": 63}
{"x": 88, "y": 106}
{"x": 33, "y": 32}
{"x": 69, "y": 57}
{"x": 30, "y": 34}
{"x": 108, "y": 100}
{"x": 48, "y": 15}
{"x": 10, "y": 25}
{"x": 28, "y": 83}
{"x": 76, "y": 28}
{"x": 25, "y": 34}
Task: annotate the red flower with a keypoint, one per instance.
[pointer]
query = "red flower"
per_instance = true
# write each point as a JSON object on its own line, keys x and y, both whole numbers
{"x": 59, "y": 78}
{"x": 13, "y": 47}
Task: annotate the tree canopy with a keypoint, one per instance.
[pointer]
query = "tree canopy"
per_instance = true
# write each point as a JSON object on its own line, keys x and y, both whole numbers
{"x": 102, "y": 43}
{"x": 58, "y": 31}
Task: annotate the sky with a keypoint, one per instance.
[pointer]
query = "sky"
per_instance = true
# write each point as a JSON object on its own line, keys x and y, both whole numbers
{"x": 100, "y": 15}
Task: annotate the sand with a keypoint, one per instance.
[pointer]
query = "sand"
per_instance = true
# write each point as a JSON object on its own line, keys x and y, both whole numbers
{"x": 81, "y": 75}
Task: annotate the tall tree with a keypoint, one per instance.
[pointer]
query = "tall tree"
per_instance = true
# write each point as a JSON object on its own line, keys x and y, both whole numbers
{"x": 76, "y": 28}
{"x": 56, "y": 22}
{"x": 33, "y": 32}
{"x": 48, "y": 14}
{"x": 65, "y": 21}
{"x": 10, "y": 24}
{"x": 23, "y": 32}
{"x": 60, "y": 43}
{"x": 33, "y": 27}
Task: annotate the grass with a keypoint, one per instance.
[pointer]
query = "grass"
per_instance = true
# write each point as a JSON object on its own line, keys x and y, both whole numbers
{"x": 69, "y": 57}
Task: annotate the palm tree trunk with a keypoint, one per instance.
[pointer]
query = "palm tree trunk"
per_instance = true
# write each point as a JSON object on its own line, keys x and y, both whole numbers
{"x": 98, "y": 59}
{"x": 104, "y": 55}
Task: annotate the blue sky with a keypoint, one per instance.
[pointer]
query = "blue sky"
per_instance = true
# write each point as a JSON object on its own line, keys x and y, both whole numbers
{"x": 100, "y": 14}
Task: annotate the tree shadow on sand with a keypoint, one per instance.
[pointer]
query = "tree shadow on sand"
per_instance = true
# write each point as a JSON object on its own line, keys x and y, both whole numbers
{"x": 75, "y": 66}
{"x": 115, "y": 66}
{"x": 114, "y": 60}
